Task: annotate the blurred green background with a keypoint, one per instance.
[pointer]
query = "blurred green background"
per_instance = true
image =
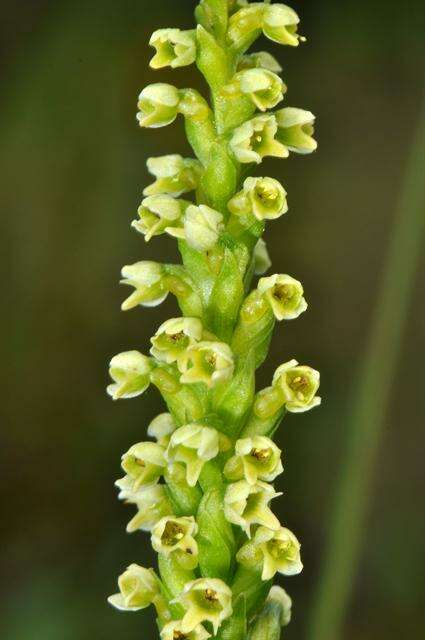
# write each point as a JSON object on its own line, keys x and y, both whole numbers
{"x": 73, "y": 166}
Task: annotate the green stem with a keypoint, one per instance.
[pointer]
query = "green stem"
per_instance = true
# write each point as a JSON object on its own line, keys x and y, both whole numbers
{"x": 372, "y": 396}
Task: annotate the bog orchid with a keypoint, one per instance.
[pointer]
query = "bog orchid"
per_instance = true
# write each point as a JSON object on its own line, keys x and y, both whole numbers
{"x": 204, "y": 485}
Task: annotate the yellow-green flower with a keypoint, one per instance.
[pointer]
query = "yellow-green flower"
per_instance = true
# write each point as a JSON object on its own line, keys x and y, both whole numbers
{"x": 174, "y": 48}
{"x": 158, "y": 105}
{"x": 284, "y": 294}
{"x": 139, "y": 588}
{"x": 207, "y": 362}
{"x": 262, "y": 262}
{"x": 246, "y": 505}
{"x": 158, "y": 214}
{"x": 174, "y": 175}
{"x": 296, "y": 129}
{"x": 201, "y": 227}
{"x": 299, "y": 385}
{"x": 280, "y": 24}
{"x": 255, "y": 139}
{"x": 256, "y": 458}
{"x": 205, "y": 600}
{"x": 151, "y": 502}
{"x": 262, "y": 86}
{"x": 193, "y": 444}
{"x": 173, "y": 631}
{"x": 175, "y": 536}
{"x": 144, "y": 463}
{"x": 276, "y": 552}
{"x": 259, "y": 59}
{"x": 161, "y": 428}
{"x": 265, "y": 198}
{"x": 130, "y": 372}
{"x": 174, "y": 337}
{"x": 147, "y": 278}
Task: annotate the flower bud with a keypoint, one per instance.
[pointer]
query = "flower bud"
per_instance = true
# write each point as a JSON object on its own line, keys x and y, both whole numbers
{"x": 265, "y": 198}
{"x": 147, "y": 278}
{"x": 202, "y": 227}
{"x": 205, "y": 600}
{"x": 173, "y": 631}
{"x": 175, "y": 175}
{"x": 161, "y": 428}
{"x": 275, "y": 614}
{"x": 151, "y": 502}
{"x": 207, "y": 362}
{"x": 280, "y": 24}
{"x": 276, "y": 551}
{"x": 173, "y": 338}
{"x": 130, "y": 372}
{"x": 246, "y": 505}
{"x": 284, "y": 294}
{"x": 157, "y": 214}
{"x": 256, "y": 458}
{"x": 259, "y": 60}
{"x": 158, "y": 104}
{"x": 144, "y": 463}
{"x": 193, "y": 444}
{"x": 245, "y": 25}
{"x": 280, "y": 598}
{"x": 298, "y": 384}
{"x": 255, "y": 139}
{"x": 139, "y": 588}
{"x": 264, "y": 88}
{"x": 262, "y": 262}
{"x": 295, "y": 129}
{"x": 176, "y": 536}
{"x": 174, "y": 48}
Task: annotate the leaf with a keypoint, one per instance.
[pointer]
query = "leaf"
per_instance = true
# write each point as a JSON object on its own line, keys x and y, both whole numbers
{"x": 215, "y": 537}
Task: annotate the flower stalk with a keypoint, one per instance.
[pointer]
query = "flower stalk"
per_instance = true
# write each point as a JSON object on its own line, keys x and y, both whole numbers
{"x": 204, "y": 485}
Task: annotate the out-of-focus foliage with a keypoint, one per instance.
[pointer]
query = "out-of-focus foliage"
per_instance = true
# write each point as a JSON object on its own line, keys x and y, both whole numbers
{"x": 72, "y": 162}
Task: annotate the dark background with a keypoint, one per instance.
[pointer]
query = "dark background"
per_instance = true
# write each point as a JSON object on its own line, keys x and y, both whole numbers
{"x": 73, "y": 166}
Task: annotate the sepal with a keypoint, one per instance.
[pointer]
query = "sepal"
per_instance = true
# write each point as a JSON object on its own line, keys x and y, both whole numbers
{"x": 174, "y": 48}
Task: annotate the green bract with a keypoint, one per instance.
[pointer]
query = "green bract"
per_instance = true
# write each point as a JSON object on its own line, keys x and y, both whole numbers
{"x": 202, "y": 487}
